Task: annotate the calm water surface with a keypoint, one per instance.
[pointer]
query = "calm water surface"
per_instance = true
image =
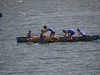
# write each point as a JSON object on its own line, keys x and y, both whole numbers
{"x": 70, "y": 58}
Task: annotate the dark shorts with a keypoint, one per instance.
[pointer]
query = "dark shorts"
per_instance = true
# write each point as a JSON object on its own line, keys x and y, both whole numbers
{"x": 72, "y": 33}
{"x": 52, "y": 32}
{"x": 30, "y": 37}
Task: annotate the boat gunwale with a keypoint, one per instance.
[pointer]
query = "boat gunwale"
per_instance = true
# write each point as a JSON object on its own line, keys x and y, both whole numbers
{"x": 62, "y": 39}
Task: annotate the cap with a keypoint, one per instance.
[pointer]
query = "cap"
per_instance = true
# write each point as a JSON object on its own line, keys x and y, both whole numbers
{"x": 30, "y": 30}
{"x": 78, "y": 29}
{"x": 45, "y": 27}
{"x": 64, "y": 30}
{"x": 42, "y": 30}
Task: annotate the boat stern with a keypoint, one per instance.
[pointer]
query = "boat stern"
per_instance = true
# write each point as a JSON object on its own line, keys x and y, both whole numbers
{"x": 21, "y": 39}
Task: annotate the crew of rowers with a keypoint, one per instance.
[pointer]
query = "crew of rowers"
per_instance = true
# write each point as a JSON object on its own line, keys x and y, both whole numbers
{"x": 45, "y": 37}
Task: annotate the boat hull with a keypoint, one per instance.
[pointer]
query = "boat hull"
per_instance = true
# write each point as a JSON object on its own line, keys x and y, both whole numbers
{"x": 61, "y": 39}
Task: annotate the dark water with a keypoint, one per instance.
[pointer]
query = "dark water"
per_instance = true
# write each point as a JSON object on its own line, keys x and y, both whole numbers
{"x": 70, "y": 58}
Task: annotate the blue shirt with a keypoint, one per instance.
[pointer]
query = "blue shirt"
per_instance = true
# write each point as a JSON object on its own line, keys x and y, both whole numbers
{"x": 51, "y": 29}
{"x": 71, "y": 31}
{"x": 82, "y": 33}
{"x": 41, "y": 38}
{"x": 29, "y": 35}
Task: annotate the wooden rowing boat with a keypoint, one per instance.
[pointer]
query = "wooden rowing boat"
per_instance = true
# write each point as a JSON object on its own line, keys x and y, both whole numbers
{"x": 61, "y": 39}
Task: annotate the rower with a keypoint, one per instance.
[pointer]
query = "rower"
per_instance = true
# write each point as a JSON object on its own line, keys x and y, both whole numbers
{"x": 52, "y": 34}
{"x": 70, "y": 33}
{"x": 30, "y": 36}
{"x": 81, "y": 33}
{"x": 43, "y": 36}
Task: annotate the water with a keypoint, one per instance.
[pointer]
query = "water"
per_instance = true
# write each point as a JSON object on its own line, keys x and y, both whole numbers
{"x": 70, "y": 58}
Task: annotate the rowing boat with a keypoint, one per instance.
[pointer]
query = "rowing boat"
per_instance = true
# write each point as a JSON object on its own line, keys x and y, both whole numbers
{"x": 61, "y": 39}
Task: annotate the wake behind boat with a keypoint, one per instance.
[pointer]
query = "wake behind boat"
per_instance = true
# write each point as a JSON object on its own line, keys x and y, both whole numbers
{"x": 61, "y": 39}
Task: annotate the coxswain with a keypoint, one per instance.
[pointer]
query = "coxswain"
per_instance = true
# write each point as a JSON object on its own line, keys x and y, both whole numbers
{"x": 30, "y": 36}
